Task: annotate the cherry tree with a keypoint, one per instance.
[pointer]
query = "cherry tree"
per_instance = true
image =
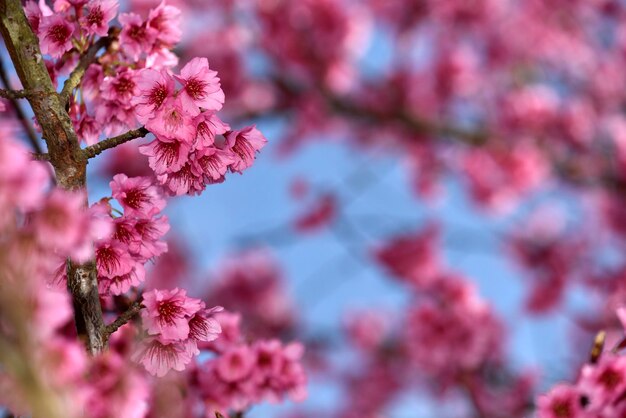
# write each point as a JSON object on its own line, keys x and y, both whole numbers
{"x": 508, "y": 99}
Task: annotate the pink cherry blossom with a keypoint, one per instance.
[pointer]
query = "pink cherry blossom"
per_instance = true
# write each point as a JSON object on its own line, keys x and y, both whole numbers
{"x": 136, "y": 37}
{"x": 155, "y": 87}
{"x": 208, "y": 125}
{"x": 122, "y": 87}
{"x": 55, "y": 34}
{"x": 171, "y": 120}
{"x": 113, "y": 259}
{"x": 98, "y": 15}
{"x": 212, "y": 163}
{"x": 563, "y": 401}
{"x": 165, "y": 20}
{"x": 201, "y": 87}
{"x": 168, "y": 312}
{"x": 165, "y": 155}
{"x": 245, "y": 143}
{"x": 236, "y": 363}
{"x": 160, "y": 357}
{"x": 137, "y": 195}
{"x": 147, "y": 241}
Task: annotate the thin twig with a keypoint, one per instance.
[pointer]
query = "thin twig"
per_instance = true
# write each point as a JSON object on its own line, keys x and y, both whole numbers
{"x": 85, "y": 61}
{"x": 113, "y": 142}
{"x": 122, "y": 319}
{"x": 19, "y": 112}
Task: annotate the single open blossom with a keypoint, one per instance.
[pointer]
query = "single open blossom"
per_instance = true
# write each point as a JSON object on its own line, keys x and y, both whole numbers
{"x": 208, "y": 125}
{"x": 155, "y": 87}
{"x": 160, "y": 357}
{"x": 136, "y": 37}
{"x": 148, "y": 242}
{"x": 137, "y": 195}
{"x": 97, "y": 16}
{"x": 165, "y": 20}
{"x": 245, "y": 143}
{"x": 55, "y": 34}
{"x": 213, "y": 163}
{"x": 184, "y": 181}
{"x": 165, "y": 155}
{"x": 202, "y": 325}
{"x": 201, "y": 87}
{"x": 122, "y": 87}
{"x": 171, "y": 120}
{"x": 113, "y": 259}
{"x": 167, "y": 313}
{"x": 236, "y": 364}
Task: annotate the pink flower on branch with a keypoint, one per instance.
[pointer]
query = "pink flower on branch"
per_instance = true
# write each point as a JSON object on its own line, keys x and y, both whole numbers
{"x": 155, "y": 87}
{"x": 201, "y": 87}
{"x": 55, "y": 34}
{"x": 168, "y": 312}
{"x": 96, "y": 18}
{"x": 136, "y": 37}
{"x": 137, "y": 195}
{"x": 245, "y": 143}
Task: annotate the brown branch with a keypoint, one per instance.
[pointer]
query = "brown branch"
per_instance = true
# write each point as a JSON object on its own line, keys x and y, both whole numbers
{"x": 17, "y": 94}
{"x": 85, "y": 61}
{"x": 40, "y": 156}
{"x": 68, "y": 160}
{"x": 113, "y": 142}
{"x": 124, "y": 318}
{"x": 19, "y": 112}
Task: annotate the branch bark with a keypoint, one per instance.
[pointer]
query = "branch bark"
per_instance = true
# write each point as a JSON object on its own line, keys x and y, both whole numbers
{"x": 68, "y": 160}
{"x": 124, "y": 318}
{"x": 96, "y": 149}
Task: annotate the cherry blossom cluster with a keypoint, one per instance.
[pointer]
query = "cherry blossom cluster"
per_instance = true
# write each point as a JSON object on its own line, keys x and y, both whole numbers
{"x": 175, "y": 324}
{"x": 598, "y": 391}
{"x": 133, "y": 237}
{"x": 244, "y": 374}
{"x": 252, "y": 284}
{"x": 186, "y": 155}
{"x": 132, "y": 82}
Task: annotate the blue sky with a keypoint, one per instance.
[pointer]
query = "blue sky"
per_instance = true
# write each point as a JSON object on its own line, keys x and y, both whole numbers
{"x": 329, "y": 276}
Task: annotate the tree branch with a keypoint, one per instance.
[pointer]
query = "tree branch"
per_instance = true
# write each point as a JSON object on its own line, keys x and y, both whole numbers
{"x": 124, "y": 318}
{"x": 85, "y": 61}
{"x": 17, "y": 94}
{"x": 113, "y": 142}
{"x": 68, "y": 160}
{"x": 19, "y": 112}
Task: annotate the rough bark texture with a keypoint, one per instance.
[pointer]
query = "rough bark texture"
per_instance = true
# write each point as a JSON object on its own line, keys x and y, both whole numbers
{"x": 65, "y": 155}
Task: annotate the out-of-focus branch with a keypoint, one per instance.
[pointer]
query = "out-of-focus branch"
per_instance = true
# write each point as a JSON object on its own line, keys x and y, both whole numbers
{"x": 410, "y": 122}
{"x": 19, "y": 112}
{"x": 113, "y": 142}
{"x": 85, "y": 61}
